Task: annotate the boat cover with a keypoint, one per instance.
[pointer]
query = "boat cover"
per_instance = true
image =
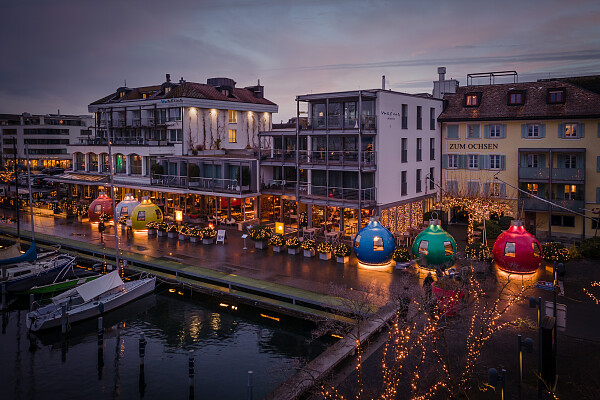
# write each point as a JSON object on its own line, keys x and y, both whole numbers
{"x": 92, "y": 289}
{"x": 12, "y": 255}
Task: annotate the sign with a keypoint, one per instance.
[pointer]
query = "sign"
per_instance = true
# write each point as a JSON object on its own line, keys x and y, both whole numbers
{"x": 221, "y": 236}
{"x": 545, "y": 285}
{"x": 561, "y": 314}
{"x": 172, "y": 101}
{"x": 279, "y": 228}
{"x": 473, "y": 146}
{"x": 244, "y": 236}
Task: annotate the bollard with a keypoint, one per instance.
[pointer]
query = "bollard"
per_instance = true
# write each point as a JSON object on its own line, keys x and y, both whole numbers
{"x": 191, "y": 368}
{"x": 250, "y": 384}
{"x": 100, "y": 332}
{"x": 3, "y": 288}
{"x": 142, "y": 348}
{"x": 63, "y": 327}
{"x": 31, "y": 300}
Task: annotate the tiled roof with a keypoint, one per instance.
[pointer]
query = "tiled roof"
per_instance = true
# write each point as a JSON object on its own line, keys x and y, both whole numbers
{"x": 579, "y": 102}
{"x": 187, "y": 90}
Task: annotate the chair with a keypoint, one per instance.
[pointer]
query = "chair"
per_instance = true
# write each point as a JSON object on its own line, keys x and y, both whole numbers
{"x": 230, "y": 221}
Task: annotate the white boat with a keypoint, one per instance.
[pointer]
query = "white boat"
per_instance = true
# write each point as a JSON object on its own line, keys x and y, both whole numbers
{"x": 89, "y": 300}
{"x": 21, "y": 276}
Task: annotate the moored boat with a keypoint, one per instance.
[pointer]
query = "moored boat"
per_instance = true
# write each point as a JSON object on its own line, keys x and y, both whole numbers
{"x": 22, "y": 276}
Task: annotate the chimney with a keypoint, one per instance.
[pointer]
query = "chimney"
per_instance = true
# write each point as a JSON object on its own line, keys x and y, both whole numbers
{"x": 442, "y": 73}
{"x": 168, "y": 77}
{"x": 382, "y": 82}
{"x": 182, "y": 80}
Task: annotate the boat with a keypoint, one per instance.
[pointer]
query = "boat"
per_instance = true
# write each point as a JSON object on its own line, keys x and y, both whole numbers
{"x": 89, "y": 300}
{"x": 67, "y": 278}
{"x": 22, "y": 276}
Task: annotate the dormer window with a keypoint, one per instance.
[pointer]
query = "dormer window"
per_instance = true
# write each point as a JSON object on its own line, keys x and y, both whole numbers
{"x": 167, "y": 90}
{"x": 516, "y": 98}
{"x": 472, "y": 99}
{"x": 121, "y": 94}
{"x": 556, "y": 96}
{"x": 144, "y": 95}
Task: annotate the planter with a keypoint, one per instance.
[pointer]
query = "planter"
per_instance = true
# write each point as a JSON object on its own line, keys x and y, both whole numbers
{"x": 208, "y": 241}
{"x": 325, "y": 256}
{"x": 448, "y": 300}
{"x": 342, "y": 260}
{"x": 172, "y": 235}
{"x": 183, "y": 237}
{"x": 151, "y": 232}
{"x": 261, "y": 244}
{"x": 278, "y": 249}
{"x": 195, "y": 239}
{"x": 162, "y": 233}
{"x": 309, "y": 253}
{"x": 293, "y": 251}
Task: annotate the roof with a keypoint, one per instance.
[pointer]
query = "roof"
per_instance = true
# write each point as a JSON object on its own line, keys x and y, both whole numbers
{"x": 579, "y": 102}
{"x": 190, "y": 90}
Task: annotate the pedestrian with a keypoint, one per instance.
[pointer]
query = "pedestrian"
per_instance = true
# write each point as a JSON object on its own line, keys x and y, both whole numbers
{"x": 427, "y": 286}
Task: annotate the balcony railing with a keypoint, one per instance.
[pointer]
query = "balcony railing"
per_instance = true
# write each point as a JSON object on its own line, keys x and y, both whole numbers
{"x": 530, "y": 204}
{"x": 321, "y": 157}
{"x": 368, "y": 122}
{"x": 573, "y": 205}
{"x": 337, "y": 193}
{"x": 281, "y": 186}
{"x": 534, "y": 173}
{"x": 199, "y": 183}
{"x": 568, "y": 174}
{"x": 120, "y": 141}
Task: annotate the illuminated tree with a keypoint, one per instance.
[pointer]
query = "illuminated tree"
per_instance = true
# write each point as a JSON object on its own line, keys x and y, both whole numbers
{"x": 7, "y": 172}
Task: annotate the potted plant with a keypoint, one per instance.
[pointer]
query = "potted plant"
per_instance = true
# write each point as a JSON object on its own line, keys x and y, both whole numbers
{"x": 277, "y": 242}
{"x": 293, "y": 245}
{"x": 183, "y": 233}
{"x": 104, "y": 217}
{"x": 402, "y": 257}
{"x": 260, "y": 234}
{"x": 555, "y": 252}
{"x": 172, "y": 231}
{"x": 161, "y": 229}
{"x": 208, "y": 235}
{"x": 195, "y": 235}
{"x": 448, "y": 292}
{"x": 342, "y": 253}
{"x": 152, "y": 228}
{"x": 324, "y": 249}
{"x": 308, "y": 247}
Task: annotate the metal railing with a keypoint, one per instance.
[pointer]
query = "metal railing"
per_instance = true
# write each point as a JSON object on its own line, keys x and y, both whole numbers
{"x": 281, "y": 186}
{"x": 534, "y": 173}
{"x": 337, "y": 193}
{"x": 338, "y": 157}
{"x": 200, "y": 183}
{"x": 530, "y": 204}
{"x": 568, "y": 174}
{"x": 368, "y": 122}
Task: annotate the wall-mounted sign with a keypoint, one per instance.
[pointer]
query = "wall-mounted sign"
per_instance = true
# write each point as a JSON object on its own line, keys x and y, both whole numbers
{"x": 473, "y": 146}
{"x": 171, "y": 101}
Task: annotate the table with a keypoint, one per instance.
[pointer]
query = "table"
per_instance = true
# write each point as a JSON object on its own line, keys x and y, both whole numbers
{"x": 309, "y": 232}
{"x": 332, "y": 236}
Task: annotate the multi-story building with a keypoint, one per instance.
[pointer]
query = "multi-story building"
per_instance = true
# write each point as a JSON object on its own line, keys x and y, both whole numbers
{"x": 46, "y": 136}
{"x": 540, "y": 137}
{"x": 362, "y": 153}
{"x": 184, "y": 144}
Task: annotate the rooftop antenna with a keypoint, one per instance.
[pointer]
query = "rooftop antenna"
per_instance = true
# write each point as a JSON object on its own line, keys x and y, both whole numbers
{"x": 125, "y": 82}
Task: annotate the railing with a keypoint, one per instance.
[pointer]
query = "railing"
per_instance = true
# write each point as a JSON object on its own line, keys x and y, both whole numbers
{"x": 147, "y": 121}
{"x": 79, "y": 166}
{"x": 338, "y": 157}
{"x": 93, "y": 166}
{"x": 136, "y": 122}
{"x": 573, "y": 205}
{"x": 368, "y": 122}
{"x": 281, "y": 186}
{"x": 568, "y": 174}
{"x": 530, "y": 204}
{"x": 278, "y": 155}
{"x": 337, "y": 193}
{"x": 534, "y": 205}
{"x": 200, "y": 183}
{"x": 121, "y": 141}
{"x": 534, "y": 173}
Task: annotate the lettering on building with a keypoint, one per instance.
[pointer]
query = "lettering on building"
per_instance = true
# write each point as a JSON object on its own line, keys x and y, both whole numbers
{"x": 473, "y": 146}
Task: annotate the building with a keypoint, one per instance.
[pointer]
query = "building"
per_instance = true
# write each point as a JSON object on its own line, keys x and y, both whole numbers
{"x": 189, "y": 146}
{"x": 362, "y": 153}
{"x": 47, "y": 137}
{"x": 540, "y": 137}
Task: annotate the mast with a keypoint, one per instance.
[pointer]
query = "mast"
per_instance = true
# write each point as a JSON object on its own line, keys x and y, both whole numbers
{"x": 17, "y": 188}
{"x": 112, "y": 190}
{"x": 30, "y": 196}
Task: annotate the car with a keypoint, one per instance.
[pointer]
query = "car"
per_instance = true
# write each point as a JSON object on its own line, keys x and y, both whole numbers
{"x": 38, "y": 180}
{"x": 53, "y": 171}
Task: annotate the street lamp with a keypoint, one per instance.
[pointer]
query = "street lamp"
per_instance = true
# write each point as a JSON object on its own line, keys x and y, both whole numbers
{"x": 528, "y": 344}
{"x": 495, "y": 377}
{"x": 533, "y": 303}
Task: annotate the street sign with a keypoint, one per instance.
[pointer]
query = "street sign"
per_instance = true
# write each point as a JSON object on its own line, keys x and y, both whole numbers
{"x": 561, "y": 314}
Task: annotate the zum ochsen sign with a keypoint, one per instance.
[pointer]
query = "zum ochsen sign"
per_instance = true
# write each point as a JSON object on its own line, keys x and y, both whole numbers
{"x": 473, "y": 146}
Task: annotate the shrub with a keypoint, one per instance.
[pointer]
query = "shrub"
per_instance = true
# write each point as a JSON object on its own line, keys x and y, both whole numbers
{"x": 276, "y": 240}
{"x": 292, "y": 243}
{"x": 184, "y": 230}
{"x": 554, "y": 251}
{"x": 341, "y": 250}
{"x": 590, "y": 248}
{"x": 308, "y": 244}
{"x": 171, "y": 228}
{"x": 161, "y": 226}
{"x": 504, "y": 222}
{"x": 492, "y": 230}
{"x": 447, "y": 283}
{"x": 478, "y": 251}
{"x": 260, "y": 233}
{"x": 196, "y": 232}
{"x": 208, "y": 233}
{"x": 123, "y": 220}
{"x": 324, "y": 247}
{"x": 152, "y": 225}
{"x": 104, "y": 217}
{"x": 574, "y": 253}
{"x": 401, "y": 255}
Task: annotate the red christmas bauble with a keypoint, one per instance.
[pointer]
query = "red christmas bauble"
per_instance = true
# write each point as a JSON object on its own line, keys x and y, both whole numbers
{"x": 102, "y": 205}
{"x": 517, "y": 251}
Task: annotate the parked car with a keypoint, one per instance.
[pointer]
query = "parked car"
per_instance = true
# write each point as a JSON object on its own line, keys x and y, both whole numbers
{"x": 38, "y": 181}
{"x": 53, "y": 171}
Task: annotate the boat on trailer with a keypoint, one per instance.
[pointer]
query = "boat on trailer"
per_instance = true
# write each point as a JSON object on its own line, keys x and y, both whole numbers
{"x": 89, "y": 300}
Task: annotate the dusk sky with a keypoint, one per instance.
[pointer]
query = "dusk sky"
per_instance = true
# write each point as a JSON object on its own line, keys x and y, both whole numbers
{"x": 64, "y": 54}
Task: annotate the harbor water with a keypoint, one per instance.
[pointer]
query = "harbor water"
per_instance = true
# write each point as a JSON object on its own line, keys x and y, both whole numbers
{"x": 226, "y": 341}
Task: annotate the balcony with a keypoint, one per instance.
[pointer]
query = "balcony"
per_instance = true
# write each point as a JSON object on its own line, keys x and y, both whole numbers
{"x": 279, "y": 186}
{"x": 573, "y": 205}
{"x": 568, "y": 174}
{"x": 368, "y": 122}
{"x": 530, "y": 204}
{"x": 339, "y": 194}
{"x": 216, "y": 185}
{"x": 534, "y": 173}
{"x": 338, "y": 158}
{"x": 278, "y": 155}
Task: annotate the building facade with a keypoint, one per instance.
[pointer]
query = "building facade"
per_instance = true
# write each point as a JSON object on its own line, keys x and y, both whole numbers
{"x": 46, "y": 136}
{"x": 541, "y": 140}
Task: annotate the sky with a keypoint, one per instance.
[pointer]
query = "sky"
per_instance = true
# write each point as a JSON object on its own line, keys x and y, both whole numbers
{"x": 64, "y": 54}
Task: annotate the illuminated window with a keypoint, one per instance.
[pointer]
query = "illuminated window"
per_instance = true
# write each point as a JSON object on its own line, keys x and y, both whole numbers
{"x": 571, "y": 130}
{"x": 356, "y": 241}
{"x": 448, "y": 249}
{"x": 532, "y": 188}
{"x": 471, "y": 100}
{"x": 377, "y": 244}
{"x": 510, "y": 250}
{"x": 232, "y": 117}
{"x": 495, "y": 189}
{"x": 124, "y": 210}
{"x": 144, "y": 95}
{"x": 141, "y": 216}
{"x": 424, "y": 247}
{"x": 232, "y": 136}
{"x": 98, "y": 209}
{"x": 570, "y": 192}
{"x": 167, "y": 90}
{"x": 536, "y": 250}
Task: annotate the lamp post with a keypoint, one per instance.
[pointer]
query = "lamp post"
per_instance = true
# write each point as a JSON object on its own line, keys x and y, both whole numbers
{"x": 528, "y": 344}
{"x": 495, "y": 377}
{"x": 533, "y": 302}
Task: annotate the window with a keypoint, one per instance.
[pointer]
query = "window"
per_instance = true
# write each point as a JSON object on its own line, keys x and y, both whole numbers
{"x": 432, "y": 118}
{"x": 403, "y": 188}
{"x": 232, "y": 136}
{"x": 419, "y": 149}
{"x": 432, "y": 149}
{"x": 98, "y": 208}
{"x": 510, "y": 249}
{"x": 424, "y": 247}
{"x": 563, "y": 220}
{"x": 124, "y": 211}
{"x": 141, "y": 216}
{"x": 532, "y": 188}
{"x": 495, "y": 162}
{"x": 232, "y": 116}
{"x": 532, "y": 161}
{"x": 495, "y": 189}
{"x": 419, "y": 181}
{"x": 452, "y": 132}
{"x": 570, "y": 161}
{"x": 432, "y": 178}
{"x": 570, "y": 192}
{"x": 473, "y": 161}
{"x": 404, "y": 150}
{"x": 167, "y": 90}
{"x": 175, "y": 135}
{"x": 452, "y": 160}
{"x": 356, "y": 241}
{"x": 144, "y": 95}
{"x": 448, "y": 249}
{"x": 419, "y": 117}
{"x": 377, "y": 243}
{"x": 404, "y": 116}
{"x": 536, "y": 250}
{"x": 452, "y": 187}
{"x": 472, "y": 100}
{"x": 556, "y": 96}
{"x": 472, "y": 131}
{"x": 570, "y": 130}
{"x": 533, "y": 130}
{"x": 495, "y": 131}
{"x": 175, "y": 114}
{"x": 516, "y": 98}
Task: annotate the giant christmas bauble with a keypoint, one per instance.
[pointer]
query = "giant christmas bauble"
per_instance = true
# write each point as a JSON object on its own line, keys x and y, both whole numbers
{"x": 102, "y": 205}
{"x": 126, "y": 206}
{"x": 434, "y": 245}
{"x": 374, "y": 245}
{"x": 145, "y": 212}
{"x": 517, "y": 251}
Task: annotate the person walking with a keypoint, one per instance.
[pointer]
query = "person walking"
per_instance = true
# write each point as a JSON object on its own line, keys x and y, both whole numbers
{"x": 427, "y": 286}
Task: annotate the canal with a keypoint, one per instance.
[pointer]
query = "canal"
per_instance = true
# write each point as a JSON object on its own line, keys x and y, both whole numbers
{"x": 226, "y": 341}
